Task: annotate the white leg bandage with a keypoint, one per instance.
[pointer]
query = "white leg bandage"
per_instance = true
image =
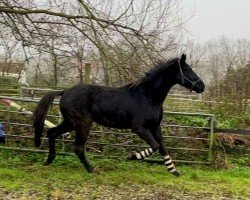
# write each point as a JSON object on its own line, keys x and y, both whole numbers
{"x": 169, "y": 163}
{"x": 144, "y": 154}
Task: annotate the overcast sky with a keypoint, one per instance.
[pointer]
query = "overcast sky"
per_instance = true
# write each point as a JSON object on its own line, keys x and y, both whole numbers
{"x": 214, "y": 18}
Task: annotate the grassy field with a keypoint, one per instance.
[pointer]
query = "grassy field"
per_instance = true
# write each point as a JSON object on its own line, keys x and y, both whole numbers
{"x": 22, "y": 176}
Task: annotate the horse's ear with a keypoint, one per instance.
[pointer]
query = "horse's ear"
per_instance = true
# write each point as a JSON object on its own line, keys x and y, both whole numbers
{"x": 183, "y": 57}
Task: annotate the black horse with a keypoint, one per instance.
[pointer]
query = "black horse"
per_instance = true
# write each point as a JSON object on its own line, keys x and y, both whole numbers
{"x": 136, "y": 106}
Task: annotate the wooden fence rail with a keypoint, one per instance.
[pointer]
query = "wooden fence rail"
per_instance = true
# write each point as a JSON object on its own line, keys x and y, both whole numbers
{"x": 229, "y": 131}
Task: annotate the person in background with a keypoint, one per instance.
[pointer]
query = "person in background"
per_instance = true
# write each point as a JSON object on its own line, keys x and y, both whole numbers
{"x": 2, "y": 136}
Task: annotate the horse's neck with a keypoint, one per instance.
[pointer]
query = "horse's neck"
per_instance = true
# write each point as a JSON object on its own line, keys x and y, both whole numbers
{"x": 155, "y": 88}
{"x": 160, "y": 93}
{"x": 159, "y": 89}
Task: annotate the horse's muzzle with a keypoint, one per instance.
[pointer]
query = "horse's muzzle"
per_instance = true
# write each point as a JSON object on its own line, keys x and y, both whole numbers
{"x": 199, "y": 88}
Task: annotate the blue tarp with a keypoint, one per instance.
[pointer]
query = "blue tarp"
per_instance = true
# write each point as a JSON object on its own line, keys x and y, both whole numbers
{"x": 2, "y": 136}
{"x": 1, "y": 130}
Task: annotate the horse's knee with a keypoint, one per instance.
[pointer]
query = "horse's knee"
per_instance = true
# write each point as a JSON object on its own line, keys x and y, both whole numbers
{"x": 155, "y": 147}
{"x": 163, "y": 151}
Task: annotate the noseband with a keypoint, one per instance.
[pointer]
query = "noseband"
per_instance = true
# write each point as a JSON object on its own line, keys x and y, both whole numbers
{"x": 183, "y": 77}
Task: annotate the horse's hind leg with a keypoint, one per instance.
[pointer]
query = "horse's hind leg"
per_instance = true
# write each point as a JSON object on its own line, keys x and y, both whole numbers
{"x": 82, "y": 132}
{"x": 53, "y": 133}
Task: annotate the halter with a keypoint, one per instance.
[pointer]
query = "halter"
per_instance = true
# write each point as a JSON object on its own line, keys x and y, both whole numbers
{"x": 183, "y": 77}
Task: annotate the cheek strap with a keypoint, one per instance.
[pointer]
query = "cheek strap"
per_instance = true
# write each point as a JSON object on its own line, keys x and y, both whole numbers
{"x": 183, "y": 77}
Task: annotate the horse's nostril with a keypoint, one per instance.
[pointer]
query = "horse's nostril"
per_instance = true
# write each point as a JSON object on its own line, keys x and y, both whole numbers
{"x": 200, "y": 90}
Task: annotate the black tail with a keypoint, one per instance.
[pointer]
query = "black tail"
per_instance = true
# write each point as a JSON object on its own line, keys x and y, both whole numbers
{"x": 40, "y": 114}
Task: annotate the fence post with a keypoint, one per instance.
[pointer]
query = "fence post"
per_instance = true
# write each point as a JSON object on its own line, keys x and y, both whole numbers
{"x": 21, "y": 91}
{"x": 211, "y": 139}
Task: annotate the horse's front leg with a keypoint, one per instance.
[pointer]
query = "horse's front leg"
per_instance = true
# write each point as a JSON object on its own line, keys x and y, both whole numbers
{"x": 163, "y": 151}
{"x": 146, "y": 135}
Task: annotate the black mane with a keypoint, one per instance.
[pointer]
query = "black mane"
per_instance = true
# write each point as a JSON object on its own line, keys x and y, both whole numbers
{"x": 152, "y": 74}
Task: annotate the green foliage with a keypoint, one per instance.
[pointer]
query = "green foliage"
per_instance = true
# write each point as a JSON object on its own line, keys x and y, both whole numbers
{"x": 233, "y": 88}
{"x": 7, "y": 80}
{"x": 187, "y": 120}
{"x": 229, "y": 116}
{"x": 238, "y": 161}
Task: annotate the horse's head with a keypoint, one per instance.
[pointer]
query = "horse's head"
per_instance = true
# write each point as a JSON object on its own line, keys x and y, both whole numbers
{"x": 187, "y": 77}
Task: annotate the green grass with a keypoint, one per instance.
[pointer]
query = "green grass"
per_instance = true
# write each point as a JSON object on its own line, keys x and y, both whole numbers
{"x": 23, "y": 177}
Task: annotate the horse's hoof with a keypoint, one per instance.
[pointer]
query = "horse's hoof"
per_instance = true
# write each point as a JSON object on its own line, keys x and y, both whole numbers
{"x": 177, "y": 173}
{"x": 47, "y": 162}
{"x": 131, "y": 156}
{"x": 91, "y": 169}
{"x": 37, "y": 143}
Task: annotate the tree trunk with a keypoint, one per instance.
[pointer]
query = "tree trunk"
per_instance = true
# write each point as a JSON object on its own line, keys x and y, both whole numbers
{"x": 87, "y": 74}
{"x": 55, "y": 75}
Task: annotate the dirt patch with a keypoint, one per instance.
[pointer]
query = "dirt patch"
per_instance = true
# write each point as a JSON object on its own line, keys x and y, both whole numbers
{"x": 233, "y": 140}
{"x": 121, "y": 192}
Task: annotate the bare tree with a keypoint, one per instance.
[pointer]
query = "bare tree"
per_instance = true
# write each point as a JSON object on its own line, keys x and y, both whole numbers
{"x": 224, "y": 60}
{"x": 10, "y": 54}
{"x": 152, "y": 25}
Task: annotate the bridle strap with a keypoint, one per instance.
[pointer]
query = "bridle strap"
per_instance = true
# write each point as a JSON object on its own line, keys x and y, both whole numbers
{"x": 183, "y": 77}
{"x": 181, "y": 72}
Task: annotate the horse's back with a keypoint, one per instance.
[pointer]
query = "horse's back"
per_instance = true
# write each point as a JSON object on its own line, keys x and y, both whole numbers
{"x": 88, "y": 99}
{"x": 112, "y": 107}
